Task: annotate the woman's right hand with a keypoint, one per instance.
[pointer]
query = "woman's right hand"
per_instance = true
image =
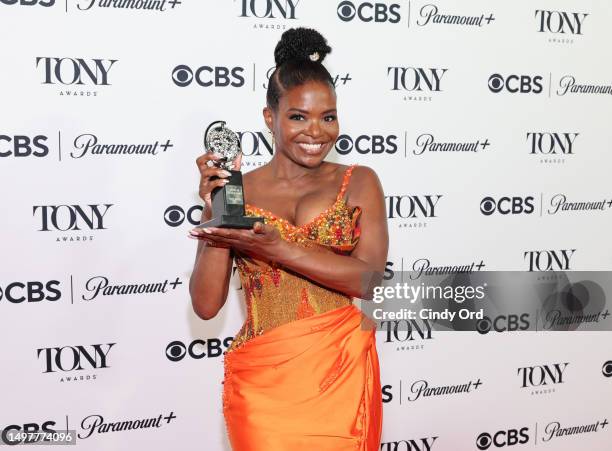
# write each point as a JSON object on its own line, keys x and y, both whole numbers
{"x": 206, "y": 172}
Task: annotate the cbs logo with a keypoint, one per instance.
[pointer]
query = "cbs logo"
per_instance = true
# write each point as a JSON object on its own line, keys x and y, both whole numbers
{"x": 365, "y": 144}
{"x": 28, "y": 2}
{"x": 516, "y": 83}
{"x": 506, "y": 205}
{"x": 606, "y": 369}
{"x": 368, "y": 12}
{"x": 18, "y": 292}
{"x": 207, "y": 76}
{"x": 503, "y": 438}
{"x": 503, "y": 323}
{"x": 177, "y": 350}
{"x": 16, "y": 434}
{"x": 174, "y": 215}
{"x": 24, "y": 146}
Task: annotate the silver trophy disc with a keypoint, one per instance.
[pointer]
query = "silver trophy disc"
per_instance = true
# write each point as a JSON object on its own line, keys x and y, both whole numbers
{"x": 221, "y": 141}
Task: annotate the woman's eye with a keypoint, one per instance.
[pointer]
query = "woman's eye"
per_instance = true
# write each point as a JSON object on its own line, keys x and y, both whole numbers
{"x": 330, "y": 118}
{"x": 296, "y": 117}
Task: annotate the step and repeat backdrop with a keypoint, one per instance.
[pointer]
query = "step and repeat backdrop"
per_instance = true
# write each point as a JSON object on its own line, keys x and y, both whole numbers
{"x": 488, "y": 123}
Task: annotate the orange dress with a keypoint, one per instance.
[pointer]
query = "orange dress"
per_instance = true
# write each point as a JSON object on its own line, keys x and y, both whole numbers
{"x": 303, "y": 372}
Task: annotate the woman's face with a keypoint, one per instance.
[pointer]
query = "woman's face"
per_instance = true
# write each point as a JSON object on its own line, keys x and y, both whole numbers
{"x": 305, "y": 124}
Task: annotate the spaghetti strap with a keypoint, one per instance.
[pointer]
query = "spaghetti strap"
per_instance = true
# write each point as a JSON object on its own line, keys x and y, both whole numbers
{"x": 345, "y": 181}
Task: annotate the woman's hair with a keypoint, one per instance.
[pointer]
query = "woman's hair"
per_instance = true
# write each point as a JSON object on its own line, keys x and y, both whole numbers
{"x": 299, "y": 55}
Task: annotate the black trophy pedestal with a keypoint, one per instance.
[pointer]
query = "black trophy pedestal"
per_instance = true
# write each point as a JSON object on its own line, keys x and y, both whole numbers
{"x": 232, "y": 222}
{"x": 228, "y": 205}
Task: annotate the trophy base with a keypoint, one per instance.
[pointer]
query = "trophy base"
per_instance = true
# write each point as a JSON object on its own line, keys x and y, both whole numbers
{"x": 232, "y": 222}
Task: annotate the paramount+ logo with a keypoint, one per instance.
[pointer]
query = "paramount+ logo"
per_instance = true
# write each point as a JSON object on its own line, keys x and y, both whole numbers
{"x": 369, "y": 12}
{"x": 366, "y": 144}
{"x": 502, "y": 439}
{"x": 521, "y": 84}
{"x": 208, "y": 76}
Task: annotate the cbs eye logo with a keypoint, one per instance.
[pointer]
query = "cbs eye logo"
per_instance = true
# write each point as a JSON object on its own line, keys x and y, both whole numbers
{"x": 607, "y": 369}
{"x": 197, "y": 349}
{"x": 29, "y": 2}
{"x": 346, "y": 11}
{"x": 365, "y": 144}
{"x": 174, "y": 215}
{"x": 501, "y": 439}
{"x": 182, "y": 75}
{"x": 205, "y": 76}
{"x": 523, "y": 84}
{"x": 368, "y": 12}
{"x": 176, "y": 351}
{"x": 507, "y": 205}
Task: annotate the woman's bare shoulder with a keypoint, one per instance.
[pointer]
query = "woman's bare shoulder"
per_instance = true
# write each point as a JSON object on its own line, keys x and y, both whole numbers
{"x": 364, "y": 181}
{"x": 364, "y": 175}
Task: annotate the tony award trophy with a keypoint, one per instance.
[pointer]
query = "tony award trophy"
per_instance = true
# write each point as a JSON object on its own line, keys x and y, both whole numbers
{"x": 228, "y": 200}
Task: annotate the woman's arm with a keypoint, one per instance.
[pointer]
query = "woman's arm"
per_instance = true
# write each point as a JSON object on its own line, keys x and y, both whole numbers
{"x": 209, "y": 281}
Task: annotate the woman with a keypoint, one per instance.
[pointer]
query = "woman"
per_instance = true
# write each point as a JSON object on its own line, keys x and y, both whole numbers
{"x": 302, "y": 372}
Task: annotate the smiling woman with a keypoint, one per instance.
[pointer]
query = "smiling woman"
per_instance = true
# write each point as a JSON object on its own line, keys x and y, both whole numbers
{"x": 302, "y": 372}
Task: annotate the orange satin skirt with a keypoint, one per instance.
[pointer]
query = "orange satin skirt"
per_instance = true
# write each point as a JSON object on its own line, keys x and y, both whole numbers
{"x": 311, "y": 384}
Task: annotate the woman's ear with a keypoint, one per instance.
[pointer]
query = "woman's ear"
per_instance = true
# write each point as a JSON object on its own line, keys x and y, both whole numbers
{"x": 269, "y": 118}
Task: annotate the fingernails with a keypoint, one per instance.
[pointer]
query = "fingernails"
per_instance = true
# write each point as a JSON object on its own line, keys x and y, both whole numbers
{"x": 206, "y": 230}
{"x": 226, "y": 173}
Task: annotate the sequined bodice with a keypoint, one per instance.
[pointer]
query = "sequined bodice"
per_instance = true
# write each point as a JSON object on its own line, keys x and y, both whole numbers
{"x": 276, "y": 296}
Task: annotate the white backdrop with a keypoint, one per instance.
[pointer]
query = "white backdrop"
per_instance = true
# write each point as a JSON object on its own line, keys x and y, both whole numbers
{"x": 77, "y": 217}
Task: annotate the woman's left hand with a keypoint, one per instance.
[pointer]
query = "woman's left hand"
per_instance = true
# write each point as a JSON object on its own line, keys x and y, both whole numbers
{"x": 263, "y": 239}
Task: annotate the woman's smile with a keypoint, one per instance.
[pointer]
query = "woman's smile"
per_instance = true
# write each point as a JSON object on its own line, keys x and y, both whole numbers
{"x": 312, "y": 148}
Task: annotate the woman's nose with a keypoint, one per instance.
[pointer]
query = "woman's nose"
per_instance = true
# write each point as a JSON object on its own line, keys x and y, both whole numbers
{"x": 314, "y": 128}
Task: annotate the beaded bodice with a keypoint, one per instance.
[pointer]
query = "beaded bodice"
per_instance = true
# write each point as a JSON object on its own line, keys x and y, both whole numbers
{"x": 276, "y": 296}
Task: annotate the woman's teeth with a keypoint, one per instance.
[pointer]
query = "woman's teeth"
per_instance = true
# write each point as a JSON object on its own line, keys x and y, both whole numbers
{"x": 311, "y": 147}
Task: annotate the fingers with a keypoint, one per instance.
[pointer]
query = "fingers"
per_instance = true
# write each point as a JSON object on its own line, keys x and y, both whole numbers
{"x": 208, "y": 183}
{"x": 215, "y": 241}
{"x": 214, "y": 171}
{"x": 217, "y": 238}
{"x": 202, "y": 160}
{"x": 211, "y": 178}
{"x": 259, "y": 227}
{"x": 223, "y": 233}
